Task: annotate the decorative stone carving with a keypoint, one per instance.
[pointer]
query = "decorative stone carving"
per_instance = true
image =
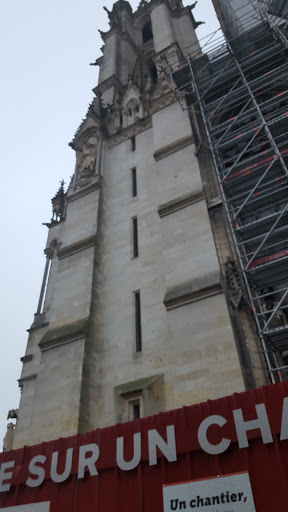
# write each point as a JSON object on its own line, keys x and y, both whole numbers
{"x": 235, "y": 292}
{"x": 113, "y": 17}
{"x": 58, "y": 204}
{"x": 9, "y": 437}
{"x": 13, "y": 414}
{"x": 88, "y": 159}
{"x": 143, "y": 3}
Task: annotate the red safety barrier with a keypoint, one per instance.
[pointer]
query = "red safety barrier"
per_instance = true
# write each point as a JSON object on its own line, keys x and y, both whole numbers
{"x": 184, "y": 436}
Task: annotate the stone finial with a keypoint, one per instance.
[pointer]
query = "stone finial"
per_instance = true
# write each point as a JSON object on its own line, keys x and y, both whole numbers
{"x": 114, "y": 18}
{"x": 107, "y": 10}
{"x": 58, "y": 203}
{"x": 143, "y": 3}
{"x": 122, "y": 4}
{"x": 102, "y": 34}
{"x": 9, "y": 437}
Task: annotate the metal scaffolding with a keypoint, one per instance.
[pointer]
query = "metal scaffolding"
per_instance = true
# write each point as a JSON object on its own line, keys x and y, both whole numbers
{"x": 240, "y": 87}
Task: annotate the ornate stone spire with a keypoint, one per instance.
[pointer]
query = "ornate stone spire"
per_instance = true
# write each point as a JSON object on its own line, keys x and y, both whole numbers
{"x": 58, "y": 203}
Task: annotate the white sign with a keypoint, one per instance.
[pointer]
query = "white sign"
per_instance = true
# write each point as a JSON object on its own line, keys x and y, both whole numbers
{"x": 44, "y": 506}
{"x": 230, "y": 493}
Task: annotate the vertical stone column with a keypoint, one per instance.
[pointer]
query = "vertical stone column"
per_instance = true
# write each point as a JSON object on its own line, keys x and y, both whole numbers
{"x": 44, "y": 281}
{"x": 161, "y": 26}
{"x": 98, "y": 168}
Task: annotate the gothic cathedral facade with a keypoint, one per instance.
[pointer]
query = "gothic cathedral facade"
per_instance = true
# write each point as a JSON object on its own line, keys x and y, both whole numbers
{"x": 142, "y": 309}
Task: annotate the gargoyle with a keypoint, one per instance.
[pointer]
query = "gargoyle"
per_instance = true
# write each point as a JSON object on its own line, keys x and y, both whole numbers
{"x": 197, "y": 23}
{"x": 13, "y": 414}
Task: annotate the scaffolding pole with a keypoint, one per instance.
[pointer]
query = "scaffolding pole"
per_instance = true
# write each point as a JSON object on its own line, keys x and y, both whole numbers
{"x": 240, "y": 88}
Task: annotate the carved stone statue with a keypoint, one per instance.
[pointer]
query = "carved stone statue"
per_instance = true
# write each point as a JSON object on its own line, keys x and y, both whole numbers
{"x": 58, "y": 204}
{"x": 87, "y": 161}
{"x": 9, "y": 436}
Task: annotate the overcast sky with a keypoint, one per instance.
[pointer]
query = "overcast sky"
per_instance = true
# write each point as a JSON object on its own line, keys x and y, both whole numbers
{"x": 46, "y": 86}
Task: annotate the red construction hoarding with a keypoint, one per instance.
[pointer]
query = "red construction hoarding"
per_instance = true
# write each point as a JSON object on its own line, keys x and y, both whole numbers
{"x": 123, "y": 468}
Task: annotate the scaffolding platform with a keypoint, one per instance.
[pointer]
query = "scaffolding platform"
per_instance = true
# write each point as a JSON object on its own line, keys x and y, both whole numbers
{"x": 240, "y": 88}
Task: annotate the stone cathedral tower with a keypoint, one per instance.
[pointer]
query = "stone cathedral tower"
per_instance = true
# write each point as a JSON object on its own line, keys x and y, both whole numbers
{"x": 133, "y": 316}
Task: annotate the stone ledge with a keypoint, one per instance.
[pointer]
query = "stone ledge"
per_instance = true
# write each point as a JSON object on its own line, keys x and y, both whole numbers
{"x": 22, "y": 381}
{"x": 214, "y": 203}
{"x": 64, "y": 334}
{"x": 109, "y": 82}
{"x": 26, "y": 359}
{"x": 129, "y": 131}
{"x": 136, "y": 385}
{"x": 83, "y": 191}
{"x": 40, "y": 322}
{"x": 199, "y": 289}
{"x": 69, "y": 250}
{"x": 173, "y": 147}
{"x": 179, "y": 203}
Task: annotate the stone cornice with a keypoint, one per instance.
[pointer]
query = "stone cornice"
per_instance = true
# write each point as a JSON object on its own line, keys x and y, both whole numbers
{"x": 58, "y": 336}
{"x": 179, "y": 203}
{"x": 84, "y": 132}
{"x": 126, "y": 133}
{"x": 109, "y": 82}
{"x": 85, "y": 129}
{"x": 177, "y": 13}
{"x": 40, "y": 322}
{"x": 137, "y": 385}
{"x": 198, "y": 289}
{"x": 29, "y": 378}
{"x": 214, "y": 203}
{"x": 173, "y": 147}
{"x": 83, "y": 191}
{"x": 69, "y": 250}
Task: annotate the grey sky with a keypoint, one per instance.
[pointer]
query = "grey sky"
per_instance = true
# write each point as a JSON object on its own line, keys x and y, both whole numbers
{"x": 46, "y": 86}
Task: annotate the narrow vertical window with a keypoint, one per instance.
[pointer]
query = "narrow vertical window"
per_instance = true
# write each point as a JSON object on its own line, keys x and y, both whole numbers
{"x": 134, "y": 182}
{"x": 135, "y": 237}
{"x": 147, "y": 33}
{"x": 136, "y": 410}
{"x": 132, "y": 406}
{"x": 133, "y": 143}
{"x": 138, "y": 333}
